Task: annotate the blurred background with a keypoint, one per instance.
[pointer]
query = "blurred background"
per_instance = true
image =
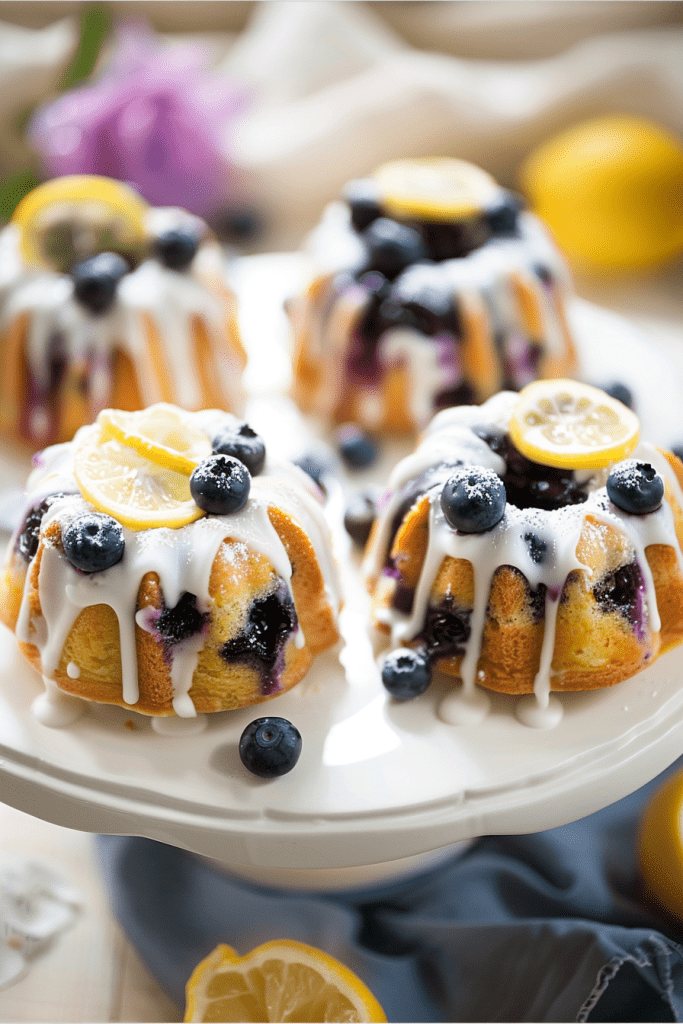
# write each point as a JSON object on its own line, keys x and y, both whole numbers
{"x": 255, "y": 114}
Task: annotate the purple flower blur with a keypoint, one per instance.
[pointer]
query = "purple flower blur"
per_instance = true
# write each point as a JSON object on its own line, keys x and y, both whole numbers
{"x": 157, "y": 118}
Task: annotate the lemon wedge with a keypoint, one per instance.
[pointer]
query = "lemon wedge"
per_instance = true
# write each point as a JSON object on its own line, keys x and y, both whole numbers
{"x": 279, "y": 981}
{"x": 68, "y": 219}
{"x": 120, "y": 481}
{"x": 570, "y": 425}
{"x": 163, "y": 434}
{"x": 434, "y": 188}
{"x": 660, "y": 846}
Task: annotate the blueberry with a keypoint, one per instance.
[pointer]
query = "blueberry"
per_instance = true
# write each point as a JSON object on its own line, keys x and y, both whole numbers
{"x": 242, "y": 443}
{"x": 635, "y": 487}
{"x": 176, "y": 248}
{"x": 93, "y": 542}
{"x": 677, "y": 450}
{"x": 356, "y": 448}
{"x": 503, "y": 215}
{"x": 270, "y": 747}
{"x": 317, "y": 464}
{"x": 538, "y": 548}
{"x": 359, "y": 516}
{"x": 220, "y": 484}
{"x": 363, "y": 199}
{"x": 392, "y": 246}
{"x": 473, "y": 499}
{"x": 619, "y": 391}
{"x": 29, "y": 537}
{"x": 406, "y": 674}
{"x": 96, "y": 280}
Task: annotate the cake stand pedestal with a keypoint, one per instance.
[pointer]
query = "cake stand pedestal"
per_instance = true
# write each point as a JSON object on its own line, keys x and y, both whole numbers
{"x": 377, "y": 781}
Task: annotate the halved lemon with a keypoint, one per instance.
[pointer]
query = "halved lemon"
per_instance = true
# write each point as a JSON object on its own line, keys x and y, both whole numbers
{"x": 660, "y": 846}
{"x": 120, "y": 481}
{"x": 434, "y": 188}
{"x": 570, "y": 425}
{"x": 163, "y": 434}
{"x": 71, "y": 218}
{"x": 279, "y": 981}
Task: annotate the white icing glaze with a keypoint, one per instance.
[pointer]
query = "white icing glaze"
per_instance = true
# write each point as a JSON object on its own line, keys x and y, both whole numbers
{"x": 485, "y": 274}
{"x": 449, "y": 438}
{"x": 56, "y": 709}
{"x": 171, "y": 300}
{"x": 182, "y": 559}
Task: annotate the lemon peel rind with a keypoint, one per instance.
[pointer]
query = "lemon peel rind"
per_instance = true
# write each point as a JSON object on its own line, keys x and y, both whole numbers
{"x": 75, "y": 188}
{"x": 224, "y": 956}
{"x": 401, "y": 197}
{"x": 159, "y": 454}
{"x": 574, "y": 454}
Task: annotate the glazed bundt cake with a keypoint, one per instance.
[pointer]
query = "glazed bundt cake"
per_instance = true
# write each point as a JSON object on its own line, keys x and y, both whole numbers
{"x": 431, "y": 288}
{"x": 521, "y": 549}
{"x": 167, "y": 564}
{"x": 107, "y": 302}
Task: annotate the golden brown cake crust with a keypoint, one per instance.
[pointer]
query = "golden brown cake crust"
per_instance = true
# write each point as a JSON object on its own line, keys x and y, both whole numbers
{"x": 93, "y": 642}
{"x": 594, "y": 646}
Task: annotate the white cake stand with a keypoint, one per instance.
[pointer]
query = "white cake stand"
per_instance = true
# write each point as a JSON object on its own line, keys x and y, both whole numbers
{"x": 380, "y": 786}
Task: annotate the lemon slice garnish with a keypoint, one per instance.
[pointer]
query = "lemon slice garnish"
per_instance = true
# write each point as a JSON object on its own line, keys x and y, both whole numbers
{"x": 434, "y": 188}
{"x": 68, "y": 219}
{"x": 120, "y": 481}
{"x": 570, "y": 425}
{"x": 163, "y": 434}
{"x": 279, "y": 981}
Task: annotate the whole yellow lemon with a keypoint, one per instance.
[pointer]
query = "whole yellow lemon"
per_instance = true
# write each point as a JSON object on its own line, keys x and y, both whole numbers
{"x": 660, "y": 846}
{"x": 611, "y": 190}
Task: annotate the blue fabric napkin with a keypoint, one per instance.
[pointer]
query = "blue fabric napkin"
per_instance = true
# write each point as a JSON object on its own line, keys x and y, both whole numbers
{"x": 544, "y": 927}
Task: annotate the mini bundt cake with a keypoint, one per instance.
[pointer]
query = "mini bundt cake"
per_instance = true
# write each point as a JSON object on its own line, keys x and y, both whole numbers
{"x": 167, "y": 564}
{"x": 431, "y": 288}
{"x": 523, "y": 576}
{"x": 107, "y": 302}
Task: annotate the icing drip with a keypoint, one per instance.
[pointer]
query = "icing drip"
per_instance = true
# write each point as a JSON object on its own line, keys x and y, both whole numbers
{"x": 182, "y": 558}
{"x": 63, "y": 337}
{"x": 540, "y": 543}
{"x": 370, "y": 324}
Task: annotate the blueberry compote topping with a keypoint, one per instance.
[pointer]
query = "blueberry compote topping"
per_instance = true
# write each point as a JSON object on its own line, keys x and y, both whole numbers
{"x": 93, "y": 542}
{"x": 473, "y": 499}
{"x": 242, "y": 443}
{"x": 527, "y": 483}
{"x": 220, "y": 485}
{"x": 261, "y": 643}
{"x": 176, "y": 248}
{"x": 635, "y": 487}
{"x": 270, "y": 747}
{"x": 406, "y": 673}
{"x": 27, "y": 542}
{"x": 96, "y": 280}
{"x": 185, "y": 620}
